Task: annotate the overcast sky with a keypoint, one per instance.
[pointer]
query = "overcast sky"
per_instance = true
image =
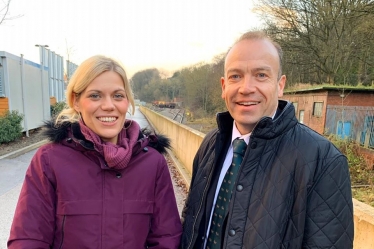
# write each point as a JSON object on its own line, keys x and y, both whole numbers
{"x": 166, "y": 34}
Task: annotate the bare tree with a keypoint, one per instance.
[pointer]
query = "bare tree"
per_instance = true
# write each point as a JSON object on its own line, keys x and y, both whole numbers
{"x": 69, "y": 52}
{"x": 320, "y": 37}
{"x": 4, "y": 11}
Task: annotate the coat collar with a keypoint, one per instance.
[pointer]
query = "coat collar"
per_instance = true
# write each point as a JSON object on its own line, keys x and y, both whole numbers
{"x": 266, "y": 127}
{"x": 69, "y": 134}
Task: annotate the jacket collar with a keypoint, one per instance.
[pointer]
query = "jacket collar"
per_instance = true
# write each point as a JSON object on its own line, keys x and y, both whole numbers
{"x": 266, "y": 127}
{"x": 69, "y": 134}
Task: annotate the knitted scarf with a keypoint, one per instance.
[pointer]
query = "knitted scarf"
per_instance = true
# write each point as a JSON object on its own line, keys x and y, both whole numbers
{"x": 117, "y": 156}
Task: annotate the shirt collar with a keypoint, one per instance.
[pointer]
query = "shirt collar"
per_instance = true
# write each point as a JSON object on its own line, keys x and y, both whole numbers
{"x": 236, "y": 134}
{"x": 245, "y": 137}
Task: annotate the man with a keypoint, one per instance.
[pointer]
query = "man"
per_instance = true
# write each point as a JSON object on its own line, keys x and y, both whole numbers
{"x": 292, "y": 188}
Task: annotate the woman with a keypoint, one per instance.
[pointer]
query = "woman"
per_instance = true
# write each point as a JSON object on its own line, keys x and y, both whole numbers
{"x": 101, "y": 183}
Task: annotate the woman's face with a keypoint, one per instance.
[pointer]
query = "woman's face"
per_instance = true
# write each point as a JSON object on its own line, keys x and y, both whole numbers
{"x": 103, "y": 106}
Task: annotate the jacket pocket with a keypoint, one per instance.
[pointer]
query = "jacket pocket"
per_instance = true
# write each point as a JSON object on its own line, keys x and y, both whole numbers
{"x": 79, "y": 207}
{"x": 77, "y": 218}
{"x": 137, "y": 207}
{"x": 137, "y": 220}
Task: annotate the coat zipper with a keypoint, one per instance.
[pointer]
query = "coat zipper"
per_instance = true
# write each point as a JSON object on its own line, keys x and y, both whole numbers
{"x": 62, "y": 231}
{"x": 201, "y": 203}
{"x": 103, "y": 205}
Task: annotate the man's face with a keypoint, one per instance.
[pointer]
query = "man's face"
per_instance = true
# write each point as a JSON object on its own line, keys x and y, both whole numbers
{"x": 251, "y": 87}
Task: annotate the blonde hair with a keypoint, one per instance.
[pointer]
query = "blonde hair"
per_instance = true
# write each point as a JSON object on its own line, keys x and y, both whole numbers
{"x": 83, "y": 76}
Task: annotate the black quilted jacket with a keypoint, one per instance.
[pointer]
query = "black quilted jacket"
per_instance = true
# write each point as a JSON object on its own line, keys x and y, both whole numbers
{"x": 293, "y": 189}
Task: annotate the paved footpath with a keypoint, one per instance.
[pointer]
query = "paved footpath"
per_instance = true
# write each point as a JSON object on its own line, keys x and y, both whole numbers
{"x": 12, "y": 172}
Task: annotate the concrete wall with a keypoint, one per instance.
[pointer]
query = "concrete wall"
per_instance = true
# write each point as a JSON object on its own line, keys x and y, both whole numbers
{"x": 364, "y": 225}
{"x": 186, "y": 141}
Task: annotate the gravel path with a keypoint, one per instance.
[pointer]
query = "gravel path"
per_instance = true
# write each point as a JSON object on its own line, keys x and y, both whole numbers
{"x": 180, "y": 189}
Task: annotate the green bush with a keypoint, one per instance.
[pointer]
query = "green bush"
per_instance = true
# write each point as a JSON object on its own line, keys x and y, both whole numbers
{"x": 57, "y": 108}
{"x": 10, "y": 126}
{"x": 359, "y": 170}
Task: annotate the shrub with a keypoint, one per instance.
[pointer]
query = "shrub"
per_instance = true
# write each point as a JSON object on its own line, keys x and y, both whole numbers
{"x": 10, "y": 126}
{"x": 198, "y": 113}
{"x": 57, "y": 108}
{"x": 360, "y": 174}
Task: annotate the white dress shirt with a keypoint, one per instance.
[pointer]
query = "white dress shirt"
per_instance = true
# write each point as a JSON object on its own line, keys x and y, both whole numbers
{"x": 225, "y": 167}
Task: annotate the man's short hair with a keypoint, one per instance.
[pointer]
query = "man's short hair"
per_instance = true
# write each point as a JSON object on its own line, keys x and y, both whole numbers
{"x": 260, "y": 35}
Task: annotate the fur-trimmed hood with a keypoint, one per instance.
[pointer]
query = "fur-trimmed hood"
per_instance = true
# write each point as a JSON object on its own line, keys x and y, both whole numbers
{"x": 70, "y": 134}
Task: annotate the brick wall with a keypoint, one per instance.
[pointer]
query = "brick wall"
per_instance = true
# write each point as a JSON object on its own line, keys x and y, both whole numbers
{"x": 368, "y": 155}
{"x": 351, "y": 98}
{"x": 305, "y": 103}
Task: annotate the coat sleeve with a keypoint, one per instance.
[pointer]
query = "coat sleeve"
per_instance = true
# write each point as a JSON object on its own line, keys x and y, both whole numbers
{"x": 166, "y": 227}
{"x": 329, "y": 217}
{"x": 34, "y": 218}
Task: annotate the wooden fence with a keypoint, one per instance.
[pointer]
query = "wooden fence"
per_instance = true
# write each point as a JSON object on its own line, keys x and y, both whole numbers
{"x": 4, "y": 105}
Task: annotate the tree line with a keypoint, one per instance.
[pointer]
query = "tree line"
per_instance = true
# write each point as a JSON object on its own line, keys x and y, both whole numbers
{"x": 323, "y": 41}
{"x": 197, "y": 86}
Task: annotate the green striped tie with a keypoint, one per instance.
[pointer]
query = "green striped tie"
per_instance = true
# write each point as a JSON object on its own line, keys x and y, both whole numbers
{"x": 224, "y": 195}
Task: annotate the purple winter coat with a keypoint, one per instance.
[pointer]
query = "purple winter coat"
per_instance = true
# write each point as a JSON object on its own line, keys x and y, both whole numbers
{"x": 71, "y": 199}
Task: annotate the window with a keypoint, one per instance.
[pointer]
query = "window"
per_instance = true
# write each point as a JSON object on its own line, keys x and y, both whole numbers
{"x": 317, "y": 109}
{"x": 301, "y": 116}
{"x": 295, "y": 105}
